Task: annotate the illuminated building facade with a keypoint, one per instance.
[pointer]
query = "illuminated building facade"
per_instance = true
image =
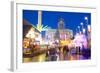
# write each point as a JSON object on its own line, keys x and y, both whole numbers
{"x": 51, "y": 34}
{"x": 60, "y": 33}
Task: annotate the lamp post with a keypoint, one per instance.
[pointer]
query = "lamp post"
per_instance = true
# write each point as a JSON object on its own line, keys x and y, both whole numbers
{"x": 86, "y": 18}
{"x": 88, "y": 32}
{"x": 82, "y": 26}
{"x": 83, "y": 30}
{"x": 89, "y": 36}
{"x": 79, "y": 29}
{"x": 89, "y": 28}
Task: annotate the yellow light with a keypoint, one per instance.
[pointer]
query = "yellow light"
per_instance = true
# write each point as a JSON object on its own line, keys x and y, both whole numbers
{"x": 31, "y": 33}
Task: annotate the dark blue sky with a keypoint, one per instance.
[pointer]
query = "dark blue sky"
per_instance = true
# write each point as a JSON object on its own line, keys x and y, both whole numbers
{"x": 50, "y": 18}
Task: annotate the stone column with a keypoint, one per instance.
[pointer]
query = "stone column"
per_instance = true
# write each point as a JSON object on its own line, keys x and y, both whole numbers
{"x": 39, "y": 17}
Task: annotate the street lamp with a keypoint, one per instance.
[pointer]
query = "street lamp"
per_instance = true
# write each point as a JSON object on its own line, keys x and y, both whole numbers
{"x": 83, "y": 30}
{"x": 86, "y": 18}
{"x": 81, "y": 26}
{"x": 89, "y": 28}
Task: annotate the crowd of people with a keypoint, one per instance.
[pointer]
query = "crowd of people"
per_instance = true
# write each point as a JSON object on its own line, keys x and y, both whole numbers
{"x": 66, "y": 53}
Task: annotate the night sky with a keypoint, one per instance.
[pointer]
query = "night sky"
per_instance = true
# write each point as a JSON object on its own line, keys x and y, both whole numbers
{"x": 50, "y": 18}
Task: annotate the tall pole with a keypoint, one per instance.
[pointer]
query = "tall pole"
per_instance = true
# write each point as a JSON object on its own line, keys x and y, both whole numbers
{"x": 39, "y": 18}
{"x": 86, "y": 18}
{"x": 39, "y": 25}
{"x": 79, "y": 28}
{"x": 82, "y": 26}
